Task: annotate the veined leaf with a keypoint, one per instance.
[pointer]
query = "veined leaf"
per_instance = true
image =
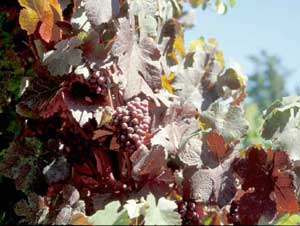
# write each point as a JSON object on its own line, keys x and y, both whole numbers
{"x": 65, "y": 55}
{"x": 101, "y": 11}
{"x": 48, "y": 12}
{"x": 162, "y": 213}
{"x": 110, "y": 215}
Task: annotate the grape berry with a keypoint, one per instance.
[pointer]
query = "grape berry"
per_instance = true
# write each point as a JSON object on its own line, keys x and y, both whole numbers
{"x": 133, "y": 122}
{"x": 190, "y": 212}
{"x": 98, "y": 82}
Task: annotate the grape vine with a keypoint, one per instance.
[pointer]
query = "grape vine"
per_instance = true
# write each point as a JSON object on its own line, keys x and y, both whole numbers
{"x": 123, "y": 125}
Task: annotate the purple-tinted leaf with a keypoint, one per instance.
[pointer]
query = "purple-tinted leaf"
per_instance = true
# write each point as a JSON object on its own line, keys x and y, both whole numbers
{"x": 139, "y": 62}
{"x": 148, "y": 162}
{"x": 57, "y": 170}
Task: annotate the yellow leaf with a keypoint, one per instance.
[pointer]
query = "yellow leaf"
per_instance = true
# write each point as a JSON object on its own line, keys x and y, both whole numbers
{"x": 173, "y": 57}
{"x": 201, "y": 125}
{"x": 179, "y": 46}
{"x": 48, "y": 12}
{"x": 220, "y": 58}
{"x": 196, "y": 3}
{"x": 219, "y": 54}
{"x": 177, "y": 50}
{"x": 106, "y": 117}
{"x": 165, "y": 81}
{"x": 79, "y": 219}
{"x": 197, "y": 42}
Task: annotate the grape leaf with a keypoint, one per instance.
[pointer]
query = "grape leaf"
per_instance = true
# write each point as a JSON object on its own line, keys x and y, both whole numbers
{"x": 181, "y": 139}
{"x": 65, "y": 55}
{"x": 197, "y": 184}
{"x": 162, "y": 213}
{"x": 190, "y": 152}
{"x": 48, "y": 12}
{"x": 288, "y": 139}
{"x": 232, "y": 3}
{"x": 288, "y": 219}
{"x": 34, "y": 210}
{"x": 195, "y": 3}
{"x": 139, "y": 62}
{"x": 79, "y": 20}
{"x": 110, "y": 215}
{"x": 37, "y": 95}
{"x": 207, "y": 58}
{"x": 230, "y": 123}
{"x": 82, "y": 112}
{"x": 278, "y": 114}
{"x": 188, "y": 87}
{"x": 78, "y": 219}
{"x": 217, "y": 144}
{"x": 101, "y": 11}
{"x": 202, "y": 184}
{"x": 146, "y": 11}
{"x": 221, "y": 7}
{"x": 282, "y": 125}
{"x": 20, "y": 161}
{"x": 57, "y": 170}
{"x": 148, "y": 7}
{"x": 267, "y": 186}
{"x": 148, "y": 25}
{"x": 147, "y": 162}
{"x": 135, "y": 209}
{"x": 231, "y": 79}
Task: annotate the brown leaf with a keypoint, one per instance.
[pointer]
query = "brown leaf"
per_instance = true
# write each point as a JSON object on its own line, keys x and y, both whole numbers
{"x": 101, "y": 133}
{"x": 217, "y": 144}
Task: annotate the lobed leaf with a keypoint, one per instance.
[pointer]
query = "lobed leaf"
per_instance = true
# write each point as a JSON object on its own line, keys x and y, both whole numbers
{"x": 110, "y": 215}
{"x": 162, "y": 213}
{"x": 48, "y": 12}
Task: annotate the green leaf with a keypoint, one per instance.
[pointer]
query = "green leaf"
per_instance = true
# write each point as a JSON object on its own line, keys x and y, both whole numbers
{"x": 232, "y": 79}
{"x": 66, "y": 55}
{"x": 164, "y": 213}
{"x": 288, "y": 219}
{"x": 232, "y": 3}
{"x": 282, "y": 125}
{"x": 110, "y": 215}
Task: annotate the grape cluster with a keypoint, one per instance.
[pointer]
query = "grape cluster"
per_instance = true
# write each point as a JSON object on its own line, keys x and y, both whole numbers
{"x": 98, "y": 82}
{"x": 133, "y": 122}
{"x": 191, "y": 213}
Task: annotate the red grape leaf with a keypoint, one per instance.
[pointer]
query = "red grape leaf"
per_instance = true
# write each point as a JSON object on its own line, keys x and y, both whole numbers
{"x": 37, "y": 95}
{"x": 20, "y": 161}
{"x": 267, "y": 186}
{"x": 284, "y": 186}
{"x": 101, "y": 133}
{"x": 147, "y": 162}
{"x": 217, "y": 144}
{"x": 114, "y": 144}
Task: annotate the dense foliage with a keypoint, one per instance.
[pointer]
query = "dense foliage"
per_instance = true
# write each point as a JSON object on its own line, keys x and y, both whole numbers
{"x": 120, "y": 124}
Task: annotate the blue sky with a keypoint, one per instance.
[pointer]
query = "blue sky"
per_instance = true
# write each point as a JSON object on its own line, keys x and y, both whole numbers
{"x": 251, "y": 26}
